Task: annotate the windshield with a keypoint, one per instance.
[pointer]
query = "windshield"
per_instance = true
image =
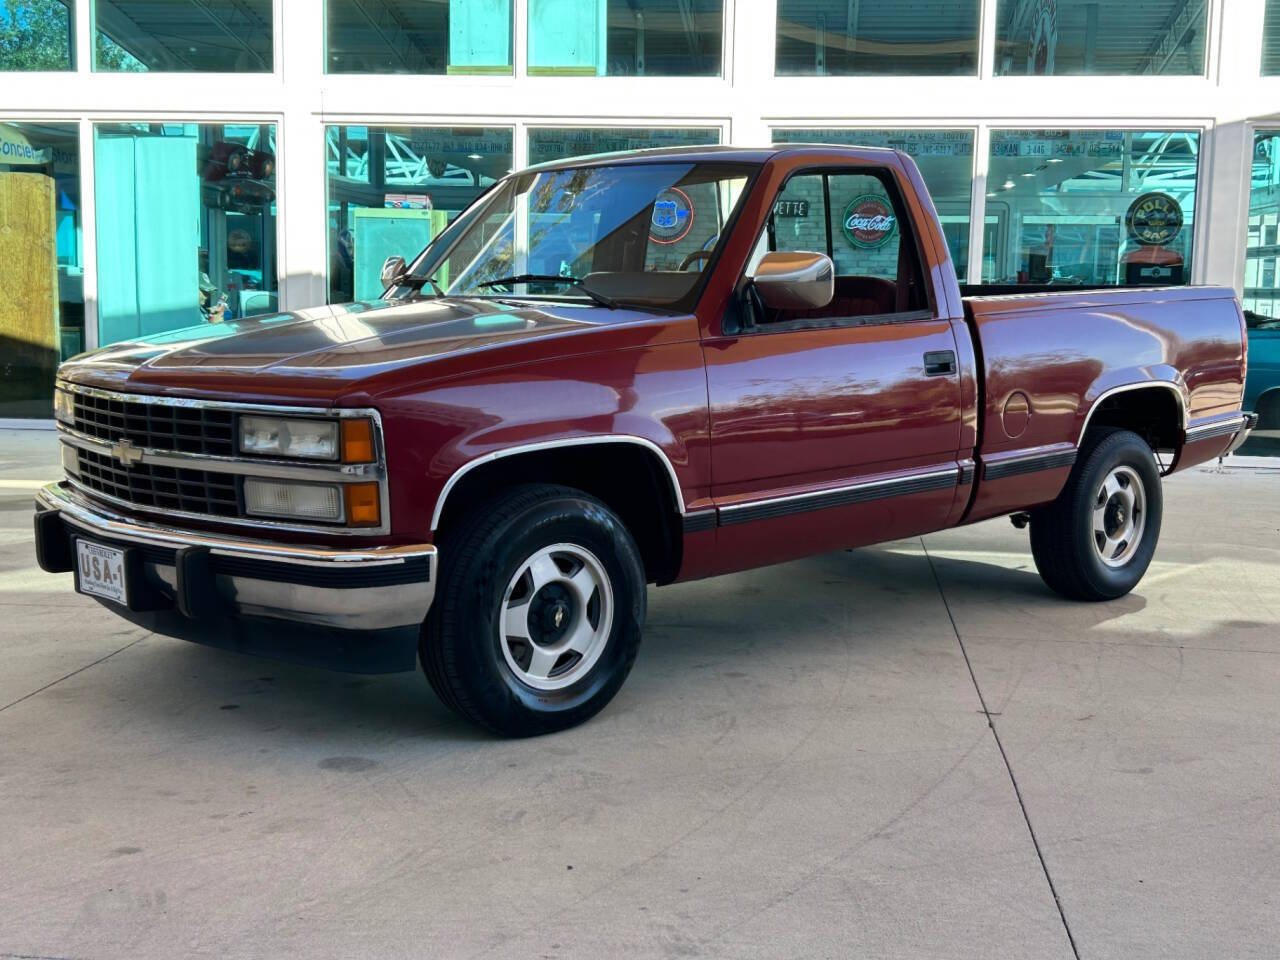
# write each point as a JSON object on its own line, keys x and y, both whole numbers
{"x": 634, "y": 234}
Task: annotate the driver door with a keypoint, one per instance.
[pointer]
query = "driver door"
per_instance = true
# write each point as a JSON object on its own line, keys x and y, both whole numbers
{"x": 837, "y": 426}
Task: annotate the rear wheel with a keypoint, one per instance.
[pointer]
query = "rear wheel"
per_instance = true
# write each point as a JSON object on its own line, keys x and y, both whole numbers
{"x": 1097, "y": 539}
{"x": 538, "y": 612}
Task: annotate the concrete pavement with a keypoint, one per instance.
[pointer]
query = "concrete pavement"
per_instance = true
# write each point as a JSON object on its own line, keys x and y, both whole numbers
{"x": 799, "y": 766}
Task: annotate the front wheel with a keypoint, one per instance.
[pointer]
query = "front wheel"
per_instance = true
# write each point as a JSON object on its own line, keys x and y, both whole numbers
{"x": 1097, "y": 539}
{"x": 538, "y": 612}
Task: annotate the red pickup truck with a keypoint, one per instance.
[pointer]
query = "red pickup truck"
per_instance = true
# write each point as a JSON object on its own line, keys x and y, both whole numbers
{"x": 608, "y": 372}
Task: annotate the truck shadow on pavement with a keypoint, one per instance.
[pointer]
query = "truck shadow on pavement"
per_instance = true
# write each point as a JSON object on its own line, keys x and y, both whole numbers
{"x": 874, "y": 593}
{"x": 878, "y": 603}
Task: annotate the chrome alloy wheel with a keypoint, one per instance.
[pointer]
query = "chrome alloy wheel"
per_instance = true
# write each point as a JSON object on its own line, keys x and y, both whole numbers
{"x": 556, "y": 616}
{"x": 1119, "y": 516}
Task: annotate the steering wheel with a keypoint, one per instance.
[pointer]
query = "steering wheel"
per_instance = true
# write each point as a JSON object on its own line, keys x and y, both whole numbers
{"x": 696, "y": 255}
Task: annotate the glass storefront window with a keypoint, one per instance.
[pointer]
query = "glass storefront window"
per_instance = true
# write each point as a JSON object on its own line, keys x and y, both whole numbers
{"x": 1050, "y": 37}
{"x": 1262, "y": 295}
{"x": 37, "y": 35}
{"x": 41, "y": 271}
{"x": 1271, "y": 39}
{"x": 945, "y": 159}
{"x": 1090, "y": 207}
{"x": 186, "y": 224}
{"x": 848, "y": 38}
{"x": 418, "y": 36}
{"x": 392, "y": 189}
{"x": 636, "y": 38}
{"x": 183, "y": 36}
{"x": 557, "y": 143}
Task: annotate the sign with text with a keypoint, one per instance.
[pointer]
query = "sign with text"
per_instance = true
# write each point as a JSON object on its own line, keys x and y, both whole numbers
{"x": 672, "y": 216}
{"x": 869, "y": 221}
{"x": 1154, "y": 219}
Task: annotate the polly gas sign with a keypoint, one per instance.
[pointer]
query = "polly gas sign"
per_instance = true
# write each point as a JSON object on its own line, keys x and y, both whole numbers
{"x": 1154, "y": 219}
{"x": 869, "y": 221}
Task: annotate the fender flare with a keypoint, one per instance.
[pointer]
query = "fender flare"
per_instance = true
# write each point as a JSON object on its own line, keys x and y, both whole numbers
{"x": 1128, "y": 387}
{"x": 586, "y": 441}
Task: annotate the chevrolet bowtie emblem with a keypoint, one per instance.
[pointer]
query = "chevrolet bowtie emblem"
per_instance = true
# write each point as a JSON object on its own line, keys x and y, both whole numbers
{"x": 126, "y": 452}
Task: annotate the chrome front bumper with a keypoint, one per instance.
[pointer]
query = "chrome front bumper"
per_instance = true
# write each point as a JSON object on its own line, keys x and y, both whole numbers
{"x": 205, "y": 575}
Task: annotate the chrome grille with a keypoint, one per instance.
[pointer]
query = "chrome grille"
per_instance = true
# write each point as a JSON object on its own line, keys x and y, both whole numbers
{"x": 162, "y": 488}
{"x": 180, "y": 456}
{"x": 186, "y": 429}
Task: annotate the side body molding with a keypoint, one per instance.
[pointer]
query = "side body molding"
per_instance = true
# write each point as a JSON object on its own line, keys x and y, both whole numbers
{"x": 585, "y": 441}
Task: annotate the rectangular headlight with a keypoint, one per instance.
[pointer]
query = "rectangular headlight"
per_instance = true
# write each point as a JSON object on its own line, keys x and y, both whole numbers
{"x": 64, "y": 406}
{"x": 289, "y": 437}
{"x": 297, "y": 501}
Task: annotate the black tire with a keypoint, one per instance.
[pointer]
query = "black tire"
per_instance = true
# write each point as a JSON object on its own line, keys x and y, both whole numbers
{"x": 1063, "y": 539}
{"x": 462, "y": 649}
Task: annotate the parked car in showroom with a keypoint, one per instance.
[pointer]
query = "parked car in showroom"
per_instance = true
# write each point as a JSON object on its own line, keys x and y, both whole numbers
{"x": 483, "y": 471}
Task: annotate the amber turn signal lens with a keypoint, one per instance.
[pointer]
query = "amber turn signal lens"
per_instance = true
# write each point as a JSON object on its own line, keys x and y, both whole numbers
{"x": 362, "y": 505}
{"x": 357, "y": 441}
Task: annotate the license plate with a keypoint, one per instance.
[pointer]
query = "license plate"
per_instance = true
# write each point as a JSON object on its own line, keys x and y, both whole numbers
{"x": 100, "y": 572}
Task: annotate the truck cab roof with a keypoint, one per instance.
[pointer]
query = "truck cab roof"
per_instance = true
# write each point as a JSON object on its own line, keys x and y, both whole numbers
{"x": 716, "y": 153}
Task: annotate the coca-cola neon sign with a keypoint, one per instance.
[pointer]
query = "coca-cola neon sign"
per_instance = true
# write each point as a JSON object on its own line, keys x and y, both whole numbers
{"x": 869, "y": 221}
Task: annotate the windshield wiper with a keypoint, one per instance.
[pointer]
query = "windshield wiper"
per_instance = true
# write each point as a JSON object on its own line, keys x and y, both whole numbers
{"x": 578, "y": 282}
{"x": 417, "y": 281}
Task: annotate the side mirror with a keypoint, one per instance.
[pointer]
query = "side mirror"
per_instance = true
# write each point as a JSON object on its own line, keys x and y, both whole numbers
{"x": 393, "y": 268}
{"x": 795, "y": 281}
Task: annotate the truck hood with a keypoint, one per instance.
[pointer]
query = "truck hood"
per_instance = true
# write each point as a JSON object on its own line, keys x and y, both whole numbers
{"x": 326, "y": 352}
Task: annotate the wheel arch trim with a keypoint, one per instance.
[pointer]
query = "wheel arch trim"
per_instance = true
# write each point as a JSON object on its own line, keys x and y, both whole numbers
{"x": 585, "y": 441}
{"x": 1128, "y": 388}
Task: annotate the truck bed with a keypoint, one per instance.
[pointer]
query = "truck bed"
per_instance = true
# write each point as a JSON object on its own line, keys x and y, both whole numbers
{"x": 1058, "y": 352}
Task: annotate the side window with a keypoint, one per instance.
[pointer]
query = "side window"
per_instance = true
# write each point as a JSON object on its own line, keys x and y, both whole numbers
{"x": 798, "y": 221}
{"x": 800, "y": 216}
{"x": 858, "y": 220}
{"x": 865, "y": 233}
